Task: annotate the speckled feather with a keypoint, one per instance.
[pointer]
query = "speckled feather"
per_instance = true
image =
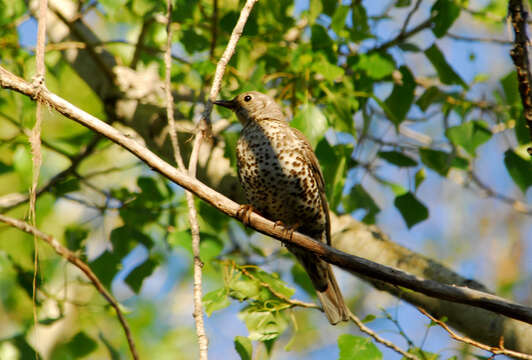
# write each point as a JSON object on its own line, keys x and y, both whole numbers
{"x": 282, "y": 180}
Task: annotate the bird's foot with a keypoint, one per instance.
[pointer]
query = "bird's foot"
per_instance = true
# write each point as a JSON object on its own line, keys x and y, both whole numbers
{"x": 244, "y": 213}
{"x": 288, "y": 230}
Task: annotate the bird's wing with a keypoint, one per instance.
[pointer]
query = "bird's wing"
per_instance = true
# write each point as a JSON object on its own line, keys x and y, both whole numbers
{"x": 308, "y": 155}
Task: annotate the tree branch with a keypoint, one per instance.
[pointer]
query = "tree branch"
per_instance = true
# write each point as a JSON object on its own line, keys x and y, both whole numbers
{"x": 351, "y": 263}
{"x": 519, "y": 54}
{"x": 77, "y": 262}
{"x": 495, "y": 350}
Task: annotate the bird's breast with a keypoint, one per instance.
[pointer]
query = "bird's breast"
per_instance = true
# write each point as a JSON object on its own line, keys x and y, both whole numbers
{"x": 276, "y": 178}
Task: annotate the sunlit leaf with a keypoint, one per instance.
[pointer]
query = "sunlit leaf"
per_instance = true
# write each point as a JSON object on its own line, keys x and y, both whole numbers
{"x": 243, "y": 347}
{"x": 216, "y": 300}
{"x": 469, "y": 135}
{"x": 357, "y": 348}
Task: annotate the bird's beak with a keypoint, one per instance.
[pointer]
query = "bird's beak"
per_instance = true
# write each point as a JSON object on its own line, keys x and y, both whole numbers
{"x": 230, "y": 104}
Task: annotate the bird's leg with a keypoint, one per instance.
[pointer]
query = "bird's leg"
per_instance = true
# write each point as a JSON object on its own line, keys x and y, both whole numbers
{"x": 244, "y": 213}
{"x": 288, "y": 229}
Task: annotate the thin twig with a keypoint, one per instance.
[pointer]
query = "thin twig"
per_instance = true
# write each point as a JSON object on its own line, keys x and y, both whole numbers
{"x": 77, "y": 262}
{"x": 377, "y": 338}
{"x": 192, "y": 212}
{"x": 409, "y": 16}
{"x": 292, "y": 302}
{"x": 495, "y": 350}
{"x": 352, "y": 263}
{"x": 35, "y": 141}
{"x": 478, "y": 39}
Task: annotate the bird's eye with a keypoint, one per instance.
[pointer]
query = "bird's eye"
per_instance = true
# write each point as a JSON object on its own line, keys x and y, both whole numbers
{"x": 247, "y": 98}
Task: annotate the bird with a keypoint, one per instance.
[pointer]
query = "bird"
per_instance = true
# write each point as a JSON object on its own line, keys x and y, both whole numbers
{"x": 283, "y": 182}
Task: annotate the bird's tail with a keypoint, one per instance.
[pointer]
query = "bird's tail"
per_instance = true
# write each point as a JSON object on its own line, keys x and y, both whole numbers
{"x": 332, "y": 300}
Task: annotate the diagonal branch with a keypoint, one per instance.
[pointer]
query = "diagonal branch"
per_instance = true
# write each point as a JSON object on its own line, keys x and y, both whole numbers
{"x": 457, "y": 294}
{"x": 519, "y": 54}
{"x": 77, "y": 262}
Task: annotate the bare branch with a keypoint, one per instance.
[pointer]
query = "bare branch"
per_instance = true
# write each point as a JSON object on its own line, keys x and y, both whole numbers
{"x": 457, "y": 294}
{"x": 495, "y": 350}
{"x": 519, "y": 54}
{"x": 77, "y": 262}
{"x": 192, "y": 212}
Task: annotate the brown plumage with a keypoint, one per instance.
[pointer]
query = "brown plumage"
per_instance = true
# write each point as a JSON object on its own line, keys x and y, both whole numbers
{"x": 282, "y": 180}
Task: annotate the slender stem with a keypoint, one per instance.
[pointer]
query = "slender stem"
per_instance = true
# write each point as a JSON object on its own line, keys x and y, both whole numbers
{"x": 77, "y": 262}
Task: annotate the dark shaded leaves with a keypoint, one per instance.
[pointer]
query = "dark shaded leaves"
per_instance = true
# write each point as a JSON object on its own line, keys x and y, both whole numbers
{"x": 402, "y": 96}
{"x": 412, "y": 210}
{"x": 520, "y": 169}
{"x": 445, "y": 72}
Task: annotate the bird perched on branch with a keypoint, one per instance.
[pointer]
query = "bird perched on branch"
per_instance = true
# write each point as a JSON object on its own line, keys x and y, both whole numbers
{"x": 283, "y": 181}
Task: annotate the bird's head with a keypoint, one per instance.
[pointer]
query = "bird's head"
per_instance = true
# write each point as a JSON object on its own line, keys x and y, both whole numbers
{"x": 253, "y": 106}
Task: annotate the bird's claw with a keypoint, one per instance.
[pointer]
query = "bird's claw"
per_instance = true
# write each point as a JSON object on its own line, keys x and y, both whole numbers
{"x": 244, "y": 213}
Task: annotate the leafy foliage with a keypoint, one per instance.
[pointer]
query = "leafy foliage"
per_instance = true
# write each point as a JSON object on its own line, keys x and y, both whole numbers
{"x": 385, "y": 110}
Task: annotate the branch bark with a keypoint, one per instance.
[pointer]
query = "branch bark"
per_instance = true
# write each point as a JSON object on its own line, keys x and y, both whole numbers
{"x": 519, "y": 54}
{"x": 360, "y": 266}
{"x": 77, "y": 262}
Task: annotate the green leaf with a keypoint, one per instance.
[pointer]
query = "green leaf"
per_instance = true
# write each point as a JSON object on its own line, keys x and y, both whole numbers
{"x": 23, "y": 165}
{"x": 520, "y": 169}
{"x": 436, "y": 160}
{"x": 376, "y": 65}
{"x": 65, "y": 186}
{"x": 81, "y": 345}
{"x": 431, "y": 96}
{"x": 194, "y": 42}
{"x": 151, "y": 190}
{"x": 311, "y": 122}
{"x": 315, "y": 10}
{"x": 136, "y": 277}
{"x": 321, "y": 42}
{"x": 11, "y": 10}
{"x": 301, "y": 278}
{"x": 4, "y": 168}
{"x": 216, "y": 300}
{"x": 263, "y": 325}
{"x": 359, "y": 18}
{"x": 420, "y": 177}
{"x": 358, "y": 198}
{"x": 210, "y": 247}
{"x": 338, "y": 19}
{"x": 510, "y": 87}
{"x": 402, "y": 96}
{"x": 412, "y": 210}
{"x": 469, "y": 135}
{"x": 74, "y": 236}
{"x": 106, "y": 266}
{"x": 126, "y": 237}
{"x": 335, "y": 162}
{"x": 244, "y": 348}
{"x": 243, "y": 289}
{"x": 143, "y": 7}
{"x": 445, "y": 72}
{"x": 368, "y": 318}
{"x": 329, "y": 71}
{"x": 357, "y": 348}
{"x": 445, "y": 13}
{"x": 274, "y": 281}
{"x": 397, "y": 158}
{"x": 25, "y": 350}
